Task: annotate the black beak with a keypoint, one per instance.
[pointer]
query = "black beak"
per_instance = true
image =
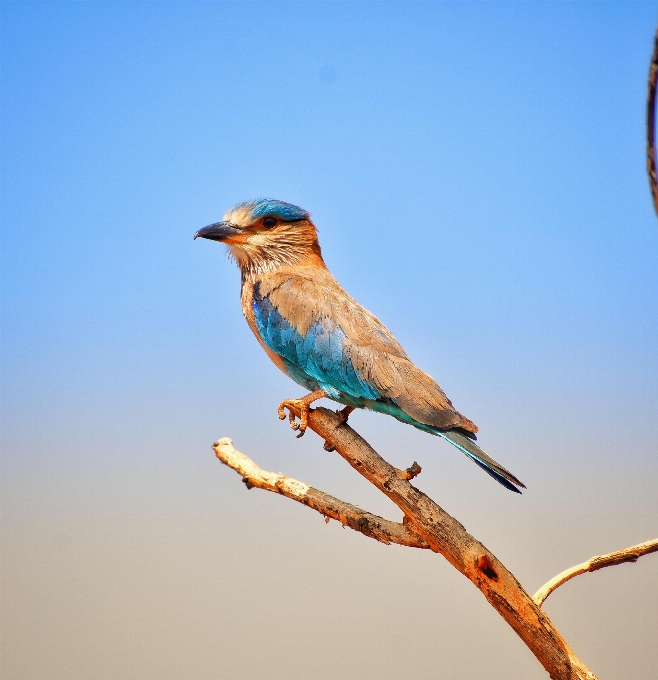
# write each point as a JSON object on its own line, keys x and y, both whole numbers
{"x": 218, "y": 231}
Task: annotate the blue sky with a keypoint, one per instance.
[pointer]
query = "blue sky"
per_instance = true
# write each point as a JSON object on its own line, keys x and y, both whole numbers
{"x": 476, "y": 172}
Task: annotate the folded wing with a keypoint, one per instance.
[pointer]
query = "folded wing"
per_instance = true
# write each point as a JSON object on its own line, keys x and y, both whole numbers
{"x": 314, "y": 324}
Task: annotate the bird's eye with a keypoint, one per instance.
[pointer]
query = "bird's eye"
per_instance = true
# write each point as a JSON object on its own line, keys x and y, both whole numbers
{"x": 269, "y": 222}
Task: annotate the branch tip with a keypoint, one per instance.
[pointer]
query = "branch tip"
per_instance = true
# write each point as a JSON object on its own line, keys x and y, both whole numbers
{"x": 410, "y": 472}
{"x": 349, "y": 515}
{"x": 626, "y": 555}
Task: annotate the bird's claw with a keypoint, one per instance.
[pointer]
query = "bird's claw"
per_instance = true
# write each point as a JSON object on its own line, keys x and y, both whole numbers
{"x": 303, "y": 407}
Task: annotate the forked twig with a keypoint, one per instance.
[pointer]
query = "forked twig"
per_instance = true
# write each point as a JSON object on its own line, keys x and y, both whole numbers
{"x": 348, "y": 515}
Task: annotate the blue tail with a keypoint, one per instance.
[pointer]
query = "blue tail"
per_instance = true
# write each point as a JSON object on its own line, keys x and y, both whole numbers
{"x": 487, "y": 463}
{"x": 456, "y": 438}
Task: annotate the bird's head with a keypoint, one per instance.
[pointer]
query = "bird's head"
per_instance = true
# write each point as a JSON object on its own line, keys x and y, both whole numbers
{"x": 266, "y": 234}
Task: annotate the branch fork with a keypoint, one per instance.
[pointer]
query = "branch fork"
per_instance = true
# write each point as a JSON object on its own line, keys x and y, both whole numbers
{"x": 348, "y": 515}
{"x": 426, "y": 525}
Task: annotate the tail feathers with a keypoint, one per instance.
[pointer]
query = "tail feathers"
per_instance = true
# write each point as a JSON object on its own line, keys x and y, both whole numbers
{"x": 488, "y": 464}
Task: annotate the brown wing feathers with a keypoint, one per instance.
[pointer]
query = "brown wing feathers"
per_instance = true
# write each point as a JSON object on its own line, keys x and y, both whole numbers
{"x": 374, "y": 352}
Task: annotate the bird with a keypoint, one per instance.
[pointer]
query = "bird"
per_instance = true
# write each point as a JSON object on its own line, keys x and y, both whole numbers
{"x": 322, "y": 338}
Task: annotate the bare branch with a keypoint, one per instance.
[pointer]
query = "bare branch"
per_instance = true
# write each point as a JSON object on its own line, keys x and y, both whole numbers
{"x": 651, "y": 123}
{"x": 593, "y": 564}
{"x": 348, "y": 515}
{"x": 445, "y": 535}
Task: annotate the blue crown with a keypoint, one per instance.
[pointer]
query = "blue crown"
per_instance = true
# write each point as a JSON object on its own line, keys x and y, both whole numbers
{"x": 270, "y": 206}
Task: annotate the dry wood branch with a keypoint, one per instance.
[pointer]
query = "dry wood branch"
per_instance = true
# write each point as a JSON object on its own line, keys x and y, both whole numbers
{"x": 651, "y": 124}
{"x": 593, "y": 564}
{"x": 447, "y": 536}
{"x": 427, "y": 525}
{"x": 348, "y": 515}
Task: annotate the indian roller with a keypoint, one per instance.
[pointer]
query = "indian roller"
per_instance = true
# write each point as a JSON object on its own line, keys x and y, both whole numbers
{"x": 325, "y": 340}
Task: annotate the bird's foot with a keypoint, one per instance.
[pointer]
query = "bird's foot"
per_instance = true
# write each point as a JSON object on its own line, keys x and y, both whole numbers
{"x": 292, "y": 405}
{"x": 303, "y": 406}
{"x": 344, "y": 414}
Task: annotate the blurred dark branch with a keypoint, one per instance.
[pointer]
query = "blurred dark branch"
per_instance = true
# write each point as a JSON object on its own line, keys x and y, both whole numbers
{"x": 632, "y": 554}
{"x": 651, "y": 123}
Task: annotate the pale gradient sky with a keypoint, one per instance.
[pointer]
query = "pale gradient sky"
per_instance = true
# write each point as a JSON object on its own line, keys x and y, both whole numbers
{"x": 476, "y": 171}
